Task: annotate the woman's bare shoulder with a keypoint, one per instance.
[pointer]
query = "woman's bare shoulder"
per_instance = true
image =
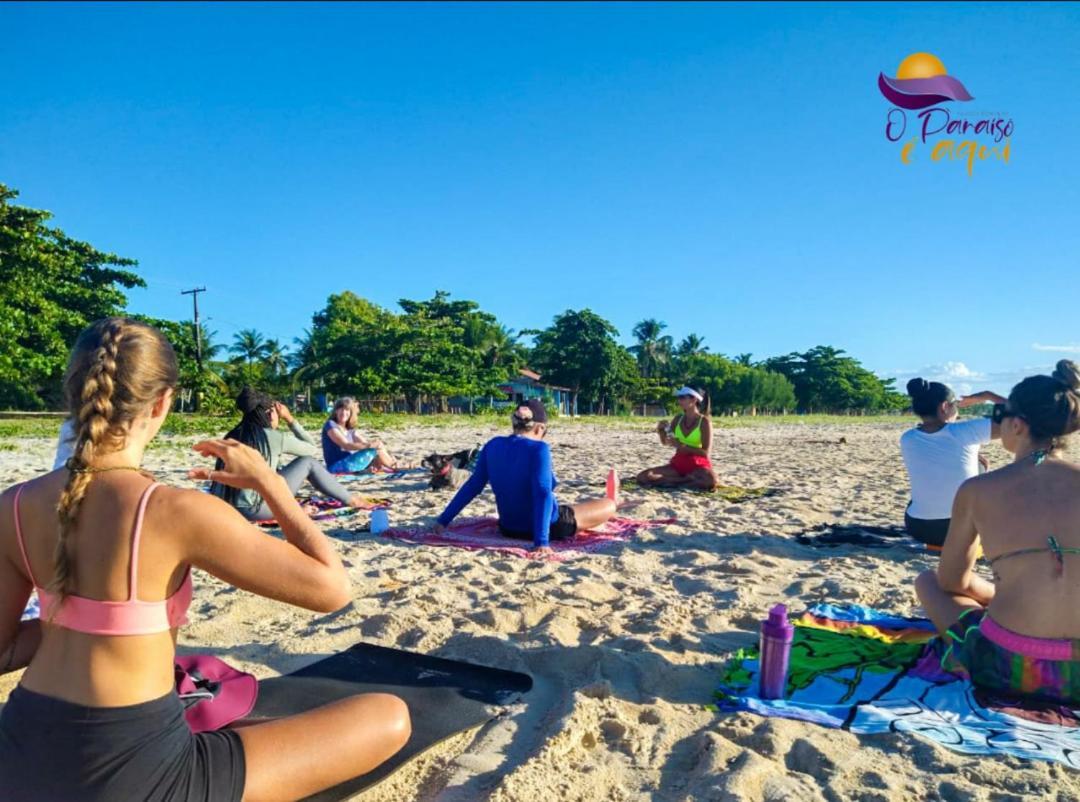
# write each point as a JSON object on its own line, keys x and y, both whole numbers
{"x": 179, "y": 500}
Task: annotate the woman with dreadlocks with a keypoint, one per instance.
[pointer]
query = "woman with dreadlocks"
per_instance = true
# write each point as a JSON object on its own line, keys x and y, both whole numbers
{"x": 258, "y": 428}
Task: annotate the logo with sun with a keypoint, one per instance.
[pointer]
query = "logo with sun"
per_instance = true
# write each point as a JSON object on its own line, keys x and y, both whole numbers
{"x": 921, "y": 81}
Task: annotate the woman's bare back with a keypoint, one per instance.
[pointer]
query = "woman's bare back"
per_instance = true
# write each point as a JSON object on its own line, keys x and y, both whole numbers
{"x": 1017, "y": 508}
{"x": 72, "y": 665}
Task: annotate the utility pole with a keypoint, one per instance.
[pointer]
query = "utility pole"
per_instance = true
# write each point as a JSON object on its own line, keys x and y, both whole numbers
{"x": 194, "y": 293}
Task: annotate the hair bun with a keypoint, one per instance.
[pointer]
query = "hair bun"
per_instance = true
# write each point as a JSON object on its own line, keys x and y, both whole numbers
{"x": 251, "y": 399}
{"x": 1068, "y": 373}
{"x": 917, "y": 387}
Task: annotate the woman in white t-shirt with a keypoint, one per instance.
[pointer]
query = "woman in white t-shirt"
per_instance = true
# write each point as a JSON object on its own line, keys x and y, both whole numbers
{"x": 941, "y": 453}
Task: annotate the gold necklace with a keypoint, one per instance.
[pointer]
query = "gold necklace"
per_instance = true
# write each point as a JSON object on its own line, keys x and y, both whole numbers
{"x": 73, "y": 469}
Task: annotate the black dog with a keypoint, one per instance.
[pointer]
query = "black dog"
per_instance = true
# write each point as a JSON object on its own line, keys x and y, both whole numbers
{"x": 450, "y": 470}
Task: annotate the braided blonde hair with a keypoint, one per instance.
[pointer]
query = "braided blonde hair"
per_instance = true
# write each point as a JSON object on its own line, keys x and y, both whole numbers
{"x": 118, "y": 369}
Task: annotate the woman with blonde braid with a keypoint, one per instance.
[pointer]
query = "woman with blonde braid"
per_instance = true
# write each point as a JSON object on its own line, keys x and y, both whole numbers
{"x": 95, "y": 716}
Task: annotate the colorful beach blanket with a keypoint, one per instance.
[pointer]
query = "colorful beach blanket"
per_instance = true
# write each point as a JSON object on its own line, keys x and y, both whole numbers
{"x": 370, "y": 475}
{"x": 483, "y": 533}
{"x": 328, "y": 509}
{"x": 862, "y": 670}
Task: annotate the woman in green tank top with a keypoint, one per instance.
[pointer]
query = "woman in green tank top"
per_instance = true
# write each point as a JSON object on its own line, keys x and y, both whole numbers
{"x": 690, "y": 433}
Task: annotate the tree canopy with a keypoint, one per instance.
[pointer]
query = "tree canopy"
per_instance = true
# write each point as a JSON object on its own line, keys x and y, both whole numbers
{"x": 427, "y": 352}
{"x": 826, "y": 379}
{"x": 51, "y": 287}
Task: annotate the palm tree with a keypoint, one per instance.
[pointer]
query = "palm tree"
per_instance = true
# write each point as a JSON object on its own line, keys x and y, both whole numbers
{"x": 501, "y": 346}
{"x": 744, "y": 360}
{"x": 653, "y": 351}
{"x": 248, "y": 347}
{"x": 304, "y": 353}
{"x": 692, "y": 345}
{"x": 275, "y": 358}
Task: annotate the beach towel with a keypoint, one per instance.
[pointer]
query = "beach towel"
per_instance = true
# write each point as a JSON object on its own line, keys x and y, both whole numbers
{"x": 483, "y": 533}
{"x": 445, "y": 697}
{"x": 370, "y": 475}
{"x": 327, "y": 509}
{"x": 869, "y": 672}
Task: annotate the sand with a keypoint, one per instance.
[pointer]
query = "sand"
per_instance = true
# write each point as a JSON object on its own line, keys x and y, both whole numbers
{"x": 625, "y": 646}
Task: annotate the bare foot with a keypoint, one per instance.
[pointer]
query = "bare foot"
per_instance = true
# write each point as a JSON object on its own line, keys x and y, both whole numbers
{"x": 361, "y": 503}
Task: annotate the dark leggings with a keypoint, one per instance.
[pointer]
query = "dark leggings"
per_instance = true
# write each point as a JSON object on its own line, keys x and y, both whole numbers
{"x": 926, "y": 530}
{"x": 296, "y": 473}
{"x": 57, "y": 751}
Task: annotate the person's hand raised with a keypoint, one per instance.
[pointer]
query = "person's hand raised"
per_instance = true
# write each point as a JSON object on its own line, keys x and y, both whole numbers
{"x": 244, "y": 467}
{"x": 283, "y": 412}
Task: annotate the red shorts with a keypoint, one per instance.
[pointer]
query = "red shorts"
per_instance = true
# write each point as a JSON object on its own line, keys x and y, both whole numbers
{"x": 686, "y": 464}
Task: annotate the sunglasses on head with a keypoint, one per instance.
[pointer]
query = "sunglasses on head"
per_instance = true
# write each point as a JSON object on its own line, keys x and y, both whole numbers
{"x": 1001, "y": 412}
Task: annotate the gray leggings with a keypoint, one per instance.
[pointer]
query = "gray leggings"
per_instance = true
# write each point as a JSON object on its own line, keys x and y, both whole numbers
{"x": 296, "y": 473}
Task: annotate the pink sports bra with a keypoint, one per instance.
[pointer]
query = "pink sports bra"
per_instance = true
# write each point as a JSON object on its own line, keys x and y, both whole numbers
{"x": 96, "y": 617}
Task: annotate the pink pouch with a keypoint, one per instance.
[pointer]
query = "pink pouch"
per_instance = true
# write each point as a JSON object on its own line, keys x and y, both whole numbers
{"x": 213, "y": 693}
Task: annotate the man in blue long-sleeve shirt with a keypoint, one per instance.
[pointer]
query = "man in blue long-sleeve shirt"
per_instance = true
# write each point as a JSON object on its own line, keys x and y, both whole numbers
{"x": 519, "y": 470}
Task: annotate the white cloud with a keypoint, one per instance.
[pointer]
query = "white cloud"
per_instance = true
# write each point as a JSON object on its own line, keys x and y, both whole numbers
{"x": 965, "y": 380}
{"x": 1072, "y": 348}
{"x": 954, "y": 371}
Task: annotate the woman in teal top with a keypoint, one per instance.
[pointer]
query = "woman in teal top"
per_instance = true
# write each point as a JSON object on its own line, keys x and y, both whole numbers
{"x": 690, "y": 434}
{"x": 259, "y": 429}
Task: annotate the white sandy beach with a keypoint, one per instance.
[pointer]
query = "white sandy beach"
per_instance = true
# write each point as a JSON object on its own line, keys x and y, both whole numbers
{"x": 625, "y": 646}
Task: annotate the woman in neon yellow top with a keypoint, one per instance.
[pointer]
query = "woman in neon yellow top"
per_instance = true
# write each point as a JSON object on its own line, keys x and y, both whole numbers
{"x": 690, "y": 433}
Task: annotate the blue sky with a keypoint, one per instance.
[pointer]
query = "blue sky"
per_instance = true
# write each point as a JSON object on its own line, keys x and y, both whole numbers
{"x": 720, "y": 167}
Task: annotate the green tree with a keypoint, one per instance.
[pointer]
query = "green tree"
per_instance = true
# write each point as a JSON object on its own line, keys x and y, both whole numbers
{"x": 578, "y": 350}
{"x": 356, "y": 347}
{"x": 276, "y": 358}
{"x": 205, "y": 389}
{"x": 51, "y": 287}
{"x": 250, "y": 351}
{"x": 827, "y": 380}
{"x": 691, "y": 345}
{"x": 653, "y": 349}
{"x": 249, "y": 347}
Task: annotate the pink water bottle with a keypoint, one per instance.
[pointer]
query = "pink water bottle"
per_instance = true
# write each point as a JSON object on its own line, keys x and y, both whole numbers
{"x": 611, "y": 486}
{"x": 776, "y": 636}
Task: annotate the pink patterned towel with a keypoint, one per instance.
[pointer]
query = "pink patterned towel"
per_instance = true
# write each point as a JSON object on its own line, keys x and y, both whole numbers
{"x": 483, "y": 533}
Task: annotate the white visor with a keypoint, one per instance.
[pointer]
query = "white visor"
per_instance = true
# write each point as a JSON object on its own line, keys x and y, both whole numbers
{"x": 690, "y": 391}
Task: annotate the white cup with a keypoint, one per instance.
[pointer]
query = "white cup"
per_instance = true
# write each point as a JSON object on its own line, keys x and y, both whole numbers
{"x": 380, "y": 521}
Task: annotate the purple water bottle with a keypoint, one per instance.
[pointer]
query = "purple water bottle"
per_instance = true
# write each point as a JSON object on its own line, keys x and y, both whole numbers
{"x": 776, "y": 636}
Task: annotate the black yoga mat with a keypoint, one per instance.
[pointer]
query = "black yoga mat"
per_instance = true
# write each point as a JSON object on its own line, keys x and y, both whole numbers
{"x": 444, "y": 697}
{"x": 867, "y": 536}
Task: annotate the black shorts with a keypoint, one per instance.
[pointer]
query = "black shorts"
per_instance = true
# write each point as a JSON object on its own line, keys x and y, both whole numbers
{"x": 57, "y": 751}
{"x": 930, "y": 531}
{"x": 563, "y": 527}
